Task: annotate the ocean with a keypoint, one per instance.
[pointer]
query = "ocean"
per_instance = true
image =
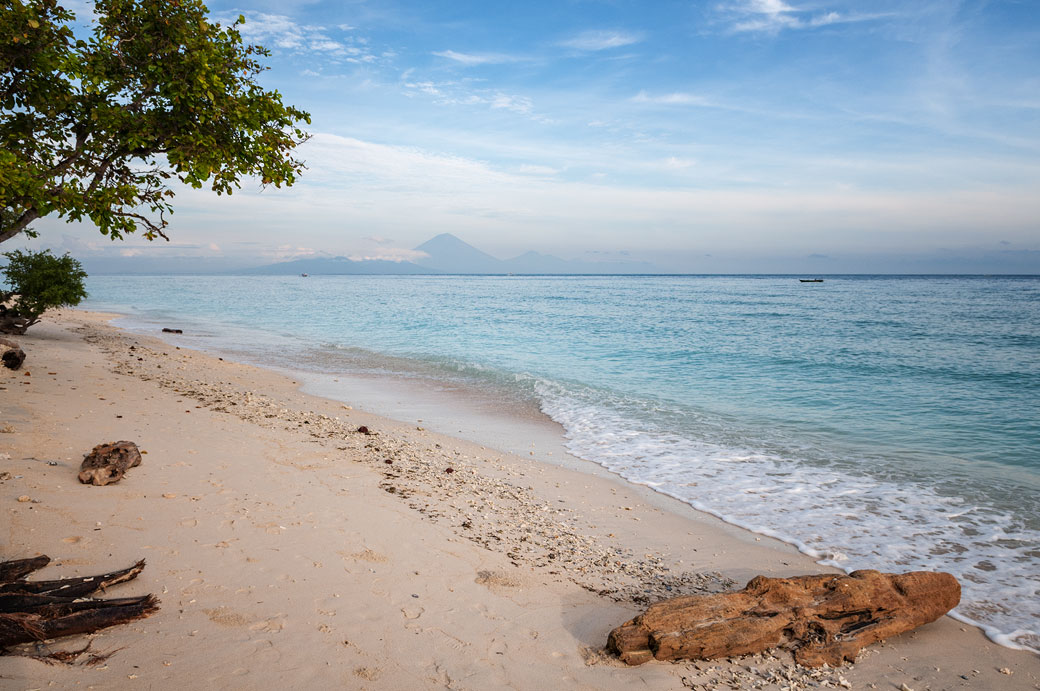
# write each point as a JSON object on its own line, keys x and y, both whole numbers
{"x": 879, "y": 422}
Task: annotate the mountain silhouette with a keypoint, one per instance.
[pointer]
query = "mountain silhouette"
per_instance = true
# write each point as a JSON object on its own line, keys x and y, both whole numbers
{"x": 448, "y": 254}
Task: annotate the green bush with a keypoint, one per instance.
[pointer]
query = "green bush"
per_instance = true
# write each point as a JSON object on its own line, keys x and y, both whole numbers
{"x": 37, "y": 282}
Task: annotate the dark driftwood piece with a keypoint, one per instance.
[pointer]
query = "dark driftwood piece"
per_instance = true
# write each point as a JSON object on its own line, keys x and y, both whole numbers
{"x": 11, "y": 354}
{"x": 107, "y": 463}
{"x": 40, "y": 610}
{"x": 25, "y": 627}
{"x": 20, "y": 568}
{"x": 827, "y": 619}
{"x": 74, "y": 587}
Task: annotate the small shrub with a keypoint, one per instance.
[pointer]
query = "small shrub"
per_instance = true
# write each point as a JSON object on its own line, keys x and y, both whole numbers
{"x": 37, "y": 282}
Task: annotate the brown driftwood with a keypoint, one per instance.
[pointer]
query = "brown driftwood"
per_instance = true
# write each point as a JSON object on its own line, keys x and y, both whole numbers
{"x": 23, "y": 627}
{"x": 13, "y": 323}
{"x": 74, "y": 587}
{"x": 39, "y": 610}
{"x": 107, "y": 463}
{"x": 828, "y": 619}
{"x": 20, "y": 568}
{"x": 11, "y": 354}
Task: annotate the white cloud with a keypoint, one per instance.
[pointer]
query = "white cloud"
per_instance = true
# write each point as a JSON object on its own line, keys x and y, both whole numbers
{"x": 677, "y": 98}
{"x": 773, "y": 16}
{"x": 675, "y": 163}
{"x": 388, "y": 254}
{"x": 355, "y": 189}
{"x": 531, "y": 169}
{"x": 470, "y": 59}
{"x": 517, "y": 104}
{"x": 285, "y": 252}
{"x": 601, "y": 40}
{"x": 456, "y": 93}
{"x": 277, "y": 31}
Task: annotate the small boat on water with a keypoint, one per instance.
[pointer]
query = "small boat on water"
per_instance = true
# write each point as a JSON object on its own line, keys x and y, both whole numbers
{"x": 304, "y": 275}
{"x": 810, "y": 280}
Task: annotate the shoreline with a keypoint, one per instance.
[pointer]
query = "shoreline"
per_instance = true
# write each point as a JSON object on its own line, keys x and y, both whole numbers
{"x": 505, "y": 430}
{"x": 460, "y": 410}
{"x": 285, "y": 442}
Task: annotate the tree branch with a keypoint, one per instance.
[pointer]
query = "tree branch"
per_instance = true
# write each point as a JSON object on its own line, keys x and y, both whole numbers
{"x": 18, "y": 226}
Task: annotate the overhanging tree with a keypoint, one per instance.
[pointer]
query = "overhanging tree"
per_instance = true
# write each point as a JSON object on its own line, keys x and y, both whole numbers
{"x": 97, "y": 128}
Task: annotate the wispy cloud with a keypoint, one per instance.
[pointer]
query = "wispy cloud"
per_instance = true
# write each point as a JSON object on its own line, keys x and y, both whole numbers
{"x": 675, "y": 163}
{"x": 475, "y": 58}
{"x": 279, "y": 32}
{"x": 774, "y": 16}
{"x": 463, "y": 94}
{"x": 387, "y": 254}
{"x": 589, "y": 41}
{"x": 673, "y": 99}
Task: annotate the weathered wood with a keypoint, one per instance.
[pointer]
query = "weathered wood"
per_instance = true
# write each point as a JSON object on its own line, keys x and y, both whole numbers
{"x": 11, "y": 354}
{"x": 107, "y": 463}
{"x": 74, "y": 587}
{"x": 20, "y": 568}
{"x": 827, "y": 619}
{"x": 27, "y": 627}
{"x": 13, "y": 323}
{"x": 50, "y": 606}
{"x": 40, "y": 610}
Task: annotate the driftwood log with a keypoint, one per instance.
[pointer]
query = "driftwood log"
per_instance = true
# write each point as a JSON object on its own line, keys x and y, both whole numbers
{"x": 40, "y": 610}
{"x": 11, "y": 354}
{"x": 827, "y": 619}
{"x": 13, "y": 323}
{"x": 107, "y": 463}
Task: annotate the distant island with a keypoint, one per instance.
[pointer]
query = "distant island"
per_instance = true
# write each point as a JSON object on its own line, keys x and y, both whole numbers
{"x": 447, "y": 254}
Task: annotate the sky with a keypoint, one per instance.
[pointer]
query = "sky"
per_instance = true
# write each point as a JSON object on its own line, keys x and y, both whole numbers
{"x": 731, "y": 136}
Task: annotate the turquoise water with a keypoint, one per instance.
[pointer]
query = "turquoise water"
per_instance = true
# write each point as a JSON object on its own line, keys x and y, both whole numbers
{"x": 875, "y": 422}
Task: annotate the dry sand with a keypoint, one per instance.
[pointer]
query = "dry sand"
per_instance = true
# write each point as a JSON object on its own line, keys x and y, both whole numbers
{"x": 291, "y": 551}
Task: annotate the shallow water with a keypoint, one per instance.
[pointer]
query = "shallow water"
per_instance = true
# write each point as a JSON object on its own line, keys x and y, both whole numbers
{"x": 875, "y": 422}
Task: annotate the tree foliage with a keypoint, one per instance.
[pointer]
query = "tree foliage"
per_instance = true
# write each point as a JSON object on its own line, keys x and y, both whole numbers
{"x": 38, "y": 281}
{"x": 96, "y": 128}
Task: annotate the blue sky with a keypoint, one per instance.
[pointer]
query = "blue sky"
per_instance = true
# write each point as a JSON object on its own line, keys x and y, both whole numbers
{"x": 730, "y": 136}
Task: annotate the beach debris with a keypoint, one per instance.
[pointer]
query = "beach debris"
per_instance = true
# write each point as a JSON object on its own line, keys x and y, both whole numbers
{"x": 20, "y": 568}
{"x": 11, "y": 354}
{"x": 364, "y": 430}
{"x": 167, "y": 330}
{"x": 40, "y": 610}
{"x": 826, "y": 618}
{"x": 107, "y": 463}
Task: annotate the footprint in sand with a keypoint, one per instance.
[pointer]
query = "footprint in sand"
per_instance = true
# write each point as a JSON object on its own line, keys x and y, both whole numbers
{"x": 225, "y": 616}
{"x": 498, "y": 579}
{"x": 370, "y": 556}
{"x": 273, "y": 625}
{"x": 412, "y": 612}
{"x": 367, "y": 673}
